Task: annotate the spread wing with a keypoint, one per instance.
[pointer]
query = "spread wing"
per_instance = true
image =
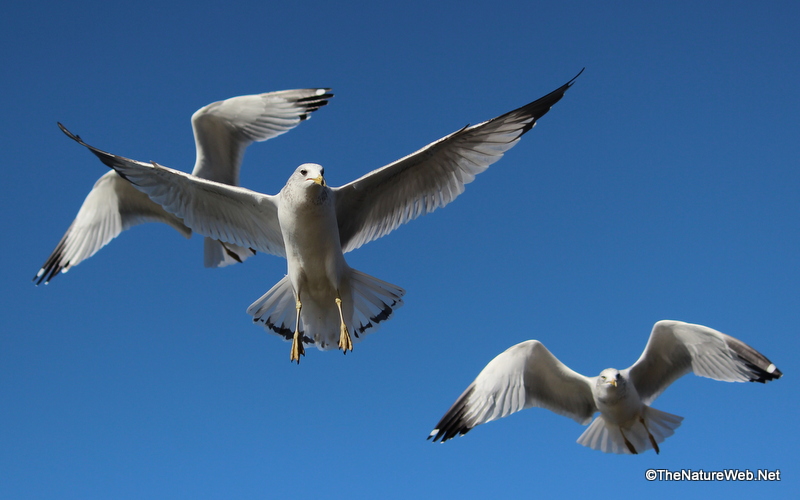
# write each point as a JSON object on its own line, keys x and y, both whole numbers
{"x": 382, "y": 200}
{"x": 676, "y": 348}
{"x": 222, "y": 132}
{"x": 224, "y": 129}
{"x": 112, "y": 206}
{"x": 524, "y": 376}
{"x": 227, "y": 213}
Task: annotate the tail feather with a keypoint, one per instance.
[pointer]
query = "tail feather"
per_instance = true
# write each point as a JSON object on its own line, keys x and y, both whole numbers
{"x": 275, "y": 310}
{"x": 374, "y": 301}
{"x": 609, "y": 438}
{"x": 661, "y": 424}
{"x": 597, "y": 437}
{"x": 218, "y": 254}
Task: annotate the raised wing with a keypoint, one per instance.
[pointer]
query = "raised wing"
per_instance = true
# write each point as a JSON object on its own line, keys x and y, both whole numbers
{"x": 224, "y": 129}
{"x": 382, "y": 200}
{"x": 227, "y": 213}
{"x": 676, "y": 348}
{"x": 524, "y": 376}
{"x": 112, "y": 206}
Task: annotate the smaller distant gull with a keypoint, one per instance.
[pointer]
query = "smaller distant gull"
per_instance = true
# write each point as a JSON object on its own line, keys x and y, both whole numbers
{"x": 528, "y": 375}
{"x": 222, "y": 132}
{"x": 322, "y": 299}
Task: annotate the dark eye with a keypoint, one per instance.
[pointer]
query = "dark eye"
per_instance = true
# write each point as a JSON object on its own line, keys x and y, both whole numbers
{"x": 303, "y": 172}
{"x": 322, "y": 172}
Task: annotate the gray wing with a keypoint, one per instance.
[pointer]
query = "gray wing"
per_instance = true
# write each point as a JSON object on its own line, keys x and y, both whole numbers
{"x": 112, "y": 206}
{"x": 524, "y": 376}
{"x": 227, "y": 213}
{"x": 224, "y": 129}
{"x": 377, "y": 203}
{"x": 676, "y": 348}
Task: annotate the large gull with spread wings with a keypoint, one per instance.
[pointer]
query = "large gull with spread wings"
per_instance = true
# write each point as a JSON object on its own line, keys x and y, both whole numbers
{"x": 322, "y": 299}
{"x": 527, "y": 375}
{"x": 222, "y": 132}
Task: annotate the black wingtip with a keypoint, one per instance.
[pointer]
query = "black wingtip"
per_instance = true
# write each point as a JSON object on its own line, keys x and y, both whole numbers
{"x": 763, "y": 375}
{"x": 39, "y": 278}
{"x": 442, "y": 435}
{"x": 69, "y": 134}
{"x": 569, "y": 83}
{"x": 557, "y": 94}
{"x": 54, "y": 265}
{"x": 453, "y": 423}
{"x": 761, "y": 369}
{"x": 110, "y": 160}
{"x": 314, "y": 102}
{"x": 45, "y": 274}
{"x": 541, "y": 106}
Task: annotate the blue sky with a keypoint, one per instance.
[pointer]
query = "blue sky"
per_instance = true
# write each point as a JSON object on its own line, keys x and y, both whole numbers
{"x": 663, "y": 186}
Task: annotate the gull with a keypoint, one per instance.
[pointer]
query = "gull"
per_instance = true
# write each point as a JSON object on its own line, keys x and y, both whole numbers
{"x": 322, "y": 299}
{"x": 527, "y": 375}
{"x": 222, "y": 132}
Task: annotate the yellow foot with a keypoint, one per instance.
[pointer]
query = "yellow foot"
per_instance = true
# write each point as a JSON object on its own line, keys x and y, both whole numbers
{"x": 297, "y": 342}
{"x": 345, "y": 342}
{"x": 297, "y": 348}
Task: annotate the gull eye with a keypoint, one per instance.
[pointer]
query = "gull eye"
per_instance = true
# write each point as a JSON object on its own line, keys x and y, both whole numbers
{"x": 303, "y": 172}
{"x": 322, "y": 172}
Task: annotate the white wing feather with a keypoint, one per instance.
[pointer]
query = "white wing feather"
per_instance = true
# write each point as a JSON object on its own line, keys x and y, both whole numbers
{"x": 227, "y": 213}
{"x": 676, "y": 348}
{"x": 112, "y": 206}
{"x": 377, "y": 203}
{"x": 224, "y": 129}
{"x": 524, "y": 376}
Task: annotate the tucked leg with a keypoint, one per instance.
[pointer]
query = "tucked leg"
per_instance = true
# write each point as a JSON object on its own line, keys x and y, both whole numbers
{"x": 345, "y": 342}
{"x": 297, "y": 342}
{"x": 652, "y": 439}
{"x": 628, "y": 443}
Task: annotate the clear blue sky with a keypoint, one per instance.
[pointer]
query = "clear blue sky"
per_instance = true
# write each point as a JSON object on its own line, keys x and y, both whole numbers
{"x": 663, "y": 186}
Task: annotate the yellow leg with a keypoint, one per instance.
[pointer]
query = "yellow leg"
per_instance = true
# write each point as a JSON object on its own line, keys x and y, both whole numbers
{"x": 297, "y": 342}
{"x": 652, "y": 439}
{"x": 345, "y": 342}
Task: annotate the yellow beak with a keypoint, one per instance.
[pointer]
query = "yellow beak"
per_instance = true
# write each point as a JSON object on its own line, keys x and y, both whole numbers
{"x": 319, "y": 180}
{"x": 613, "y": 382}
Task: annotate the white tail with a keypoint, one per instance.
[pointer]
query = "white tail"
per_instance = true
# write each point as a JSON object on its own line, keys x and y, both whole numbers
{"x": 374, "y": 301}
{"x": 608, "y": 438}
{"x": 275, "y": 309}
